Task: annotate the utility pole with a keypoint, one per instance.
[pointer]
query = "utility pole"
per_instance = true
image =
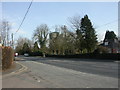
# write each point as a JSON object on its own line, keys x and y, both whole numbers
{"x": 12, "y": 41}
{"x": 0, "y": 39}
{"x": 7, "y": 32}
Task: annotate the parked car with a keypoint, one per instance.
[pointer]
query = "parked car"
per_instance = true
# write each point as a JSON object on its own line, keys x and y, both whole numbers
{"x": 26, "y": 54}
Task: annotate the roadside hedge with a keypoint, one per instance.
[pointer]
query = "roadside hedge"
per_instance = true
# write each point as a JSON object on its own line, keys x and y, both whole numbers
{"x": 104, "y": 56}
{"x": 38, "y": 53}
{"x": 7, "y": 57}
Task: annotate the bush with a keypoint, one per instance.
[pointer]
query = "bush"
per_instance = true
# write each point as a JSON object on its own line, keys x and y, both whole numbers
{"x": 37, "y": 53}
{"x": 7, "y": 57}
{"x": 104, "y": 56}
{"x": 101, "y": 49}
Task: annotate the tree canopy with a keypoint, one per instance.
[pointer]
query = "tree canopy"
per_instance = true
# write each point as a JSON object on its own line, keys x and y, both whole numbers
{"x": 40, "y": 35}
{"x": 110, "y": 35}
{"x": 26, "y": 48}
{"x": 88, "y": 35}
{"x": 64, "y": 41}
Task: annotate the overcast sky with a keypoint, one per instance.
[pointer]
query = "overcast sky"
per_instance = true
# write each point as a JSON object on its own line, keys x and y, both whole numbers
{"x": 104, "y": 15}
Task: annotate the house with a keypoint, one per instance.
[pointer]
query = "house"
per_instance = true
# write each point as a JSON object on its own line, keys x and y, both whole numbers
{"x": 112, "y": 45}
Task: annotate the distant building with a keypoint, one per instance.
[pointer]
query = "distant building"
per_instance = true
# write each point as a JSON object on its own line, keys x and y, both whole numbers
{"x": 54, "y": 35}
{"x": 112, "y": 45}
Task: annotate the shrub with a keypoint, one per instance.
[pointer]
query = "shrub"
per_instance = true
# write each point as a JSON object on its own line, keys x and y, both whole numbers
{"x": 37, "y": 53}
{"x": 91, "y": 56}
{"x": 7, "y": 57}
{"x": 101, "y": 49}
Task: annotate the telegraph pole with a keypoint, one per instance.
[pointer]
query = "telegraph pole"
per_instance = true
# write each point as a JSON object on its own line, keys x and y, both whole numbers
{"x": 7, "y": 32}
{"x": 12, "y": 40}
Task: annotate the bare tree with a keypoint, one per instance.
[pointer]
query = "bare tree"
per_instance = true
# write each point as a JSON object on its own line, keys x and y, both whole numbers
{"x": 61, "y": 42}
{"x": 20, "y": 42}
{"x": 75, "y": 22}
{"x": 5, "y": 32}
{"x": 40, "y": 35}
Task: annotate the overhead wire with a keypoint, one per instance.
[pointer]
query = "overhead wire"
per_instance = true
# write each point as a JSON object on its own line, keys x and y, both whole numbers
{"x": 24, "y": 17}
{"x": 107, "y": 24}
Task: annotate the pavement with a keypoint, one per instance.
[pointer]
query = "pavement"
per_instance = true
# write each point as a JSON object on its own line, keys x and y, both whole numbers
{"x": 40, "y": 75}
{"x": 15, "y": 67}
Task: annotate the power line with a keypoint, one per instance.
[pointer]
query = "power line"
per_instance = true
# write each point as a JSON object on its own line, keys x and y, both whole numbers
{"x": 107, "y": 24}
{"x": 24, "y": 17}
{"x": 21, "y": 23}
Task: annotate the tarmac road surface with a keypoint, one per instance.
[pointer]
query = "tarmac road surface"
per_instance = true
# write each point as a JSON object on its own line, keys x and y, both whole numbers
{"x": 62, "y": 73}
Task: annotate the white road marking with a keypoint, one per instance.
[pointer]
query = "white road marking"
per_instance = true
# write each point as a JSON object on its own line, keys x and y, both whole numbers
{"x": 22, "y": 59}
{"x": 38, "y": 81}
{"x": 84, "y": 73}
{"x": 87, "y": 87}
{"x": 117, "y": 61}
{"x": 12, "y": 72}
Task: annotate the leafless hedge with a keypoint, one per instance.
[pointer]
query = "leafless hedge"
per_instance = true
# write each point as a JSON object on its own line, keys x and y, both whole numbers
{"x": 7, "y": 57}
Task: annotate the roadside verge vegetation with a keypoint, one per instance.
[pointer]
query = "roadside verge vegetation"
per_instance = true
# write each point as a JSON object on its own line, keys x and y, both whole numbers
{"x": 7, "y": 57}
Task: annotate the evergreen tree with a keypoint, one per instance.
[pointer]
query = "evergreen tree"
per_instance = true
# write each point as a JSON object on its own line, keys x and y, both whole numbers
{"x": 110, "y": 35}
{"x": 89, "y": 34}
{"x": 79, "y": 41}
{"x": 26, "y": 48}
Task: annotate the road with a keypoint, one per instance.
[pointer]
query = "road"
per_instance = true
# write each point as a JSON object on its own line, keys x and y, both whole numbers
{"x": 105, "y": 68}
{"x": 64, "y": 73}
